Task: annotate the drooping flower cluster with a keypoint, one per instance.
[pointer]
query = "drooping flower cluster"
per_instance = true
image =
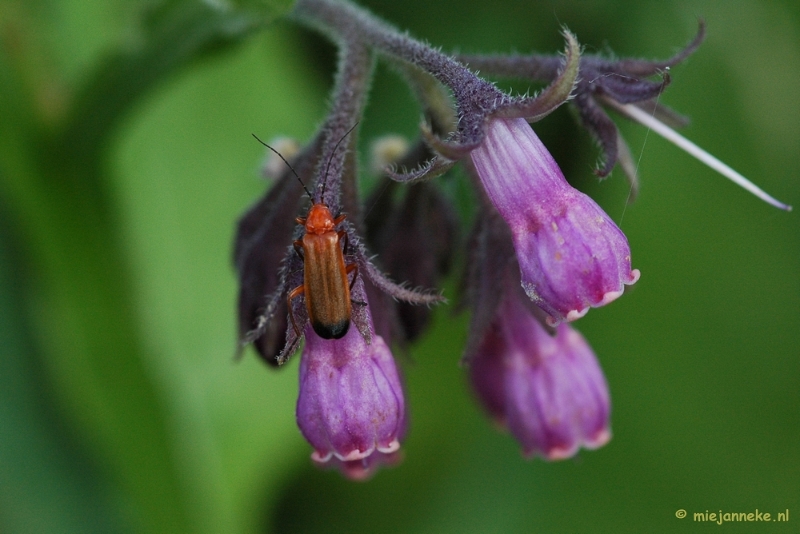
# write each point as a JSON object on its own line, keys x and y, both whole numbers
{"x": 541, "y": 253}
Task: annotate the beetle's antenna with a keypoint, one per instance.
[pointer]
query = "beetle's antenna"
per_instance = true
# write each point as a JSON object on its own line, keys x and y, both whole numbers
{"x": 287, "y": 164}
{"x": 339, "y": 142}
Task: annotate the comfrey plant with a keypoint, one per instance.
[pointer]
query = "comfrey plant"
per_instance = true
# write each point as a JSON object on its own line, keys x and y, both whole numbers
{"x": 540, "y": 255}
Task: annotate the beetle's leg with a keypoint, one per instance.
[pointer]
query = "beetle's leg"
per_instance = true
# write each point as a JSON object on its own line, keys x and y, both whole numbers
{"x": 344, "y": 240}
{"x": 301, "y": 221}
{"x": 339, "y": 219}
{"x": 298, "y": 247}
{"x": 296, "y": 292}
{"x": 349, "y": 269}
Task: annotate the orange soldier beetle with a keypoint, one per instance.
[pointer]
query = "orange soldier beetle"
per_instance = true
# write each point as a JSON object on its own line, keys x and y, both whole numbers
{"x": 325, "y": 276}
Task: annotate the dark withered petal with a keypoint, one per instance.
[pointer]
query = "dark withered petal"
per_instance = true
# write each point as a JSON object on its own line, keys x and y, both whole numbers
{"x": 492, "y": 258}
{"x": 380, "y": 208}
{"x": 627, "y": 90}
{"x": 291, "y": 276}
{"x": 625, "y": 159}
{"x": 401, "y": 291}
{"x": 263, "y": 237}
{"x": 361, "y": 313}
{"x": 268, "y": 346}
{"x": 464, "y": 293}
{"x": 443, "y": 225}
{"x": 417, "y": 246}
{"x": 275, "y": 211}
{"x": 384, "y": 314}
{"x": 602, "y": 129}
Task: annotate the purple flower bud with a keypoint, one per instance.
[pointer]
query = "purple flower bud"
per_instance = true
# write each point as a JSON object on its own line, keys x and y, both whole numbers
{"x": 549, "y": 391}
{"x": 571, "y": 254}
{"x": 351, "y": 407}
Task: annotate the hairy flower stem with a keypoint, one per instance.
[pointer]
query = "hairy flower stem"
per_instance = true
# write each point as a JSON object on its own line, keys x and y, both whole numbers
{"x": 348, "y": 98}
{"x": 348, "y": 21}
{"x": 536, "y": 67}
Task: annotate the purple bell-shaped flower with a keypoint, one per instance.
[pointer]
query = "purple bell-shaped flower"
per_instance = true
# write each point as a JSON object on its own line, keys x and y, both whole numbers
{"x": 548, "y": 390}
{"x": 571, "y": 254}
{"x": 351, "y": 406}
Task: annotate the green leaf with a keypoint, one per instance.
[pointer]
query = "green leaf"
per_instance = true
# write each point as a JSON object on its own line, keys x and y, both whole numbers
{"x": 174, "y": 34}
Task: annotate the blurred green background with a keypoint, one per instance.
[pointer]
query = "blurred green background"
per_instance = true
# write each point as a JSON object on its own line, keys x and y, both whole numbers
{"x": 126, "y": 158}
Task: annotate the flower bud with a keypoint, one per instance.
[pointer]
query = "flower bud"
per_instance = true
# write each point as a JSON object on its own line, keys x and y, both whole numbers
{"x": 283, "y": 149}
